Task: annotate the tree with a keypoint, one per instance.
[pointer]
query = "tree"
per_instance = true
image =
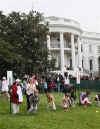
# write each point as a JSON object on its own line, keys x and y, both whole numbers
{"x": 26, "y": 38}
{"x": 8, "y": 55}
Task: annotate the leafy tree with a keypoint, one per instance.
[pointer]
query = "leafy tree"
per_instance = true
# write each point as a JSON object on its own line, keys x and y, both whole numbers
{"x": 23, "y": 39}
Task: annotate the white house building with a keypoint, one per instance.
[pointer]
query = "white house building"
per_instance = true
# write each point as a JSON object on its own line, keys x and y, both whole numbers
{"x": 72, "y": 47}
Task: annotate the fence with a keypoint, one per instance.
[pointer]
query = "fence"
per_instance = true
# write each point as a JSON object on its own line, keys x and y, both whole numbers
{"x": 88, "y": 84}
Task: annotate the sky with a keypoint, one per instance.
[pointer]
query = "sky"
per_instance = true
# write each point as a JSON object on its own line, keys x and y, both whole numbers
{"x": 86, "y": 12}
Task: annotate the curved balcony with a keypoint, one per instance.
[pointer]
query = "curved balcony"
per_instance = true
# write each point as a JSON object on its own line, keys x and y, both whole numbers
{"x": 63, "y": 21}
{"x": 55, "y": 45}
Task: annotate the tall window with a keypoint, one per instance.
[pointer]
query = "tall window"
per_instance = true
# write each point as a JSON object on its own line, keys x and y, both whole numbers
{"x": 91, "y": 65}
{"x": 70, "y": 63}
{"x": 90, "y": 48}
{"x": 82, "y": 64}
{"x": 81, "y": 48}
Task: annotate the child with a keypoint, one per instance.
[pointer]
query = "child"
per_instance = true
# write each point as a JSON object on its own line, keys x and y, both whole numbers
{"x": 34, "y": 100}
{"x": 65, "y": 102}
{"x": 84, "y": 98}
{"x": 97, "y": 98}
{"x": 73, "y": 96}
{"x": 70, "y": 89}
{"x": 50, "y": 101}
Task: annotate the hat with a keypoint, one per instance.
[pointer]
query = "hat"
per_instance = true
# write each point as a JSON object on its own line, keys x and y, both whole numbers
{"x": 18, "y": 80}
{"x": 25, "y": 76}
{"x": 4, "y": 78}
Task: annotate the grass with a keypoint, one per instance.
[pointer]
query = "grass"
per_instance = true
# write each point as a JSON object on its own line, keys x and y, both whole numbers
{"x": 75, "y": 118}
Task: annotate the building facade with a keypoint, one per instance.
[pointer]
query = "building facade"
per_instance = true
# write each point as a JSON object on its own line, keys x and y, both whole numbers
{"x": 73, "y": 48}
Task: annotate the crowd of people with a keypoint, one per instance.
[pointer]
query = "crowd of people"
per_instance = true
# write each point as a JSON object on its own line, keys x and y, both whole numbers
{"x": 32, "y": 86}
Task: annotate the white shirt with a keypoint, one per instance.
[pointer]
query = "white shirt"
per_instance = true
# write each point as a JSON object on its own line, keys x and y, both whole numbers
{"x": 5, "y": 85}
{"x": 19, "y": 92}
{"x": 67, "y": 81}
{"x": 30, "y": 89}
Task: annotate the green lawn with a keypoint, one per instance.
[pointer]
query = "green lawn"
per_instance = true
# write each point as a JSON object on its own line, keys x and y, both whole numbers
{"x": 75, "y": 118}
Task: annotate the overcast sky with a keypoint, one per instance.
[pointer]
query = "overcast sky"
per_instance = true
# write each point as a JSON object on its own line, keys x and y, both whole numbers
{"x": 86, "y": 12}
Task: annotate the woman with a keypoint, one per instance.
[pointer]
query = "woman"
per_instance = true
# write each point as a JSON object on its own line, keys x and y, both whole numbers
{"x": 29, "y": 91}
{"x": 16, "y": 96}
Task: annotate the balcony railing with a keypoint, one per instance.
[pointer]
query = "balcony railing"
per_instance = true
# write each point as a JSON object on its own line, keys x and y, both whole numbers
{"x": 86, "y": 71}
{"x": 55, "y": 44}
{"x": 67, "y": 45}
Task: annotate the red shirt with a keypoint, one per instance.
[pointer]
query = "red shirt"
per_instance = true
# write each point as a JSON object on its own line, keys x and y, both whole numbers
{"x": 14, "y": 95}
{"x": 51, "y": 85}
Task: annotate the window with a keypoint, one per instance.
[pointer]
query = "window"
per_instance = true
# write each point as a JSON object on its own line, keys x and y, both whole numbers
{"x": 70, "y": 63}
{"x": 90, "y": 48}
{"x": 82, "y": 64}
{"x": 81, "y": 48}
{"x": 91, "y": 65}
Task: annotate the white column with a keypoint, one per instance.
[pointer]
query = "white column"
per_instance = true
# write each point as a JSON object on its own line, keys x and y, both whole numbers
{"x": 79, "y": 54}
{"x": 73, "y": 51}
{"x": 95, "y": 64}
{"x": 62, "y": 52}
{"x": 48, "y": 41}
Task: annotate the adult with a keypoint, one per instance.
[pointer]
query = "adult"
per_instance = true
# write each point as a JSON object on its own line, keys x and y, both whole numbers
{"x": 16, "y": 96}
{"x": 24, "y": 84}
{"x": 0, "y": 85}
{"x": 57, "y": 82}
{"x": 5, "y": 87}
{"x": 31, "y": 87}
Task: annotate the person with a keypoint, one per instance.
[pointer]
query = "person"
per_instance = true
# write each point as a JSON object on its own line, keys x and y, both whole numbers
{"x": 29, "y": 91}
{"x": 67, "y": 84}
{"x": 16, "y": 96}
{"x": 5, "y": 87}
{"x": 57, "y": 82}
{"x": 51, "y": 86}
{"x": 0, "y": 85}
{"x": 73, "y": 96}
{"x": 45, "y": 85}
{"x": 34, "y": 100}
{"x": 65, "y": 102}
{"x": 24, "y": 84}
{"x": 50, "y": 101}
{"x": 85, "y": 98}
{"x": 67, "y": 81}
{"x": 97, "y": 99}
{"x": 47, "y": 88}
{"x": 34, "y": 79}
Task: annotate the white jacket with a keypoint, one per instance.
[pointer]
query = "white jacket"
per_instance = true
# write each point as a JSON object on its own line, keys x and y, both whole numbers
{"x": 19, "y": 92}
